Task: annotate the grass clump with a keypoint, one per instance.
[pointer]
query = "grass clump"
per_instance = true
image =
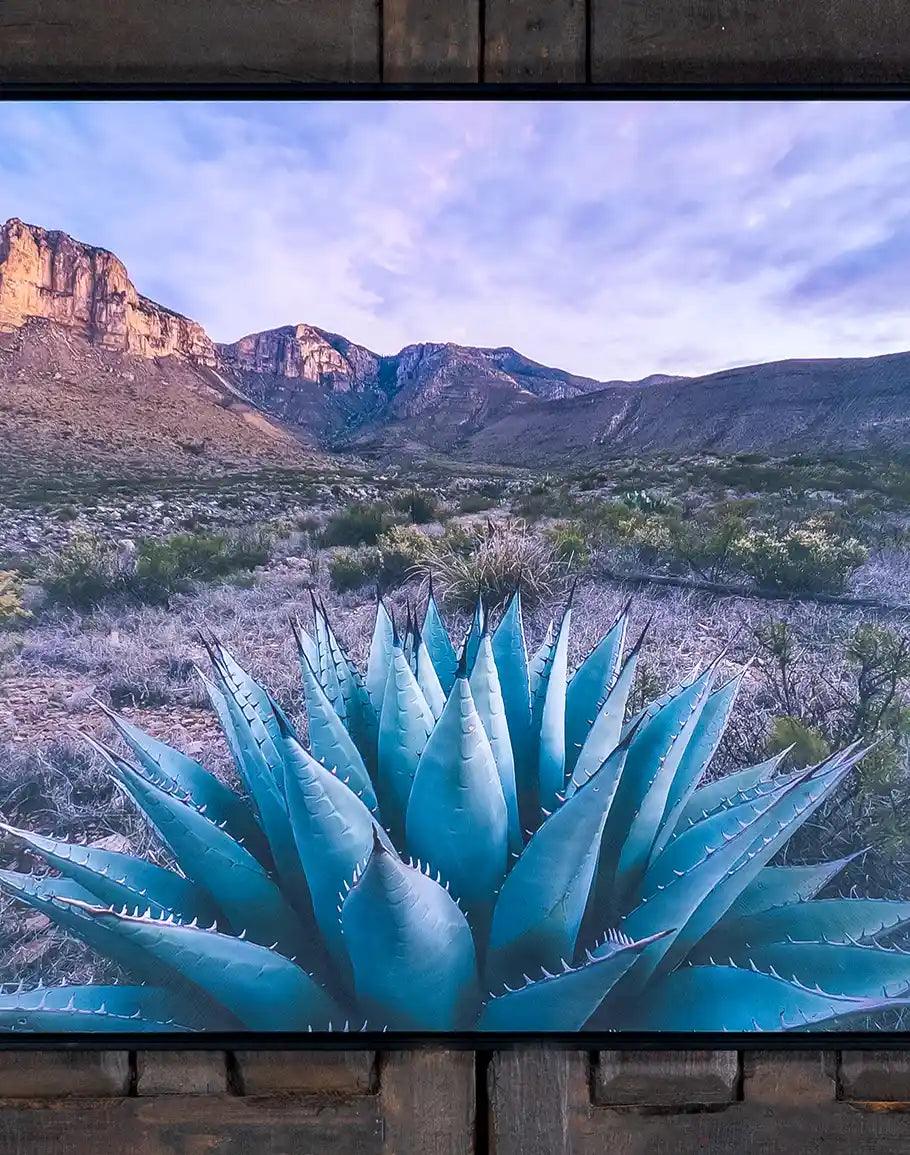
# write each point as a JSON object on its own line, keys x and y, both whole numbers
{"x": 357, "y": 524}
{"x": 12, "y": 610}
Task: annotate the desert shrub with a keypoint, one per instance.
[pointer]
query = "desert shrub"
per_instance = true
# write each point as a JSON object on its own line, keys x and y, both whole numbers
{"x": 170, "y": 565}
{"x": 645, "y": 501}
{"x": 403, "y": 549}
{"x": 493, "y": 562}
{"x": 474, "y": 503}
{"x": 807, "y": 745}
{"x": 12, "y": 611}
{"x": 807, "y": 557}
{"x": 418, "y": 505}
{"x": 357, "y": 524}
{"x": 546, "y": 499}
{"x": 351, "y": 569}
{"x": 82, "y": 573}
{"x": 571, "y": 542}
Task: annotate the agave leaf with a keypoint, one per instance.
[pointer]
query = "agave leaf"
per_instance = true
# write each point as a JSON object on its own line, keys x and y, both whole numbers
{"x": 257, "y": 730}
{"x": 604, "y": 735}
{"x": 698, "y": 752}
{"x": 379, "y": 661}
{"x": 439, "y": 644}
{"x": 488, "y": 699}
{"x": 851, "y": 969}
{"x": 780, "y": 885}
{"x": 511, "y": 658}
{"x": 121, "y": 879}
{"x": 327, "y": 670}
{"x": 259, "y": 986}
{"x": 334, "y": 833}
{"x": 564, "y": 1001}
{"x": 695, "y": 900}
{"x": 100, "y": 1008}
{"x": 725, "y": 998}
{"x": 174, "y": 770}
{"x": 411, "y": 949}
{"x": 830, "y": 920}
{"x": 211, "y": 858}
{"x": 540, "y": 660}
{"x": 456, "y": 818}
{"x": 330, "y": 742}
{"x": 47, "y": 895}
{"x": 472, "y": 641}
{"x": 405, "y": 725}
{"x": 427, "y": 678}
{"x": 539, "y": 909}
{"x": 253, "y": 699}
{"x": 590, "y": 685}
{"x": 655, "y": 757}
{"x": 306, "y": 643}
{"x": 727, "y": 791}
{"x": 548, "y": 719}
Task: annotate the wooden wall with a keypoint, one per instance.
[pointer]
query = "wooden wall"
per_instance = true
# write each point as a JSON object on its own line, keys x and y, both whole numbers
{"x": 527, "y": 1101}
{"x": 454, "y": 40}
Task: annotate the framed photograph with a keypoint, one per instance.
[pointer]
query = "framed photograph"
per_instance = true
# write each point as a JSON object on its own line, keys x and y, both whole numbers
{"x": 454, "y": 570}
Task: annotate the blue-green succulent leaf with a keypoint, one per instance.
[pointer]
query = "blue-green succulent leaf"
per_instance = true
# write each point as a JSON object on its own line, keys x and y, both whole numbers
{"x": 411, "y": 949}
{"x": 727, "y": 791}
{"x": 488, "y": 699}
{"x": 780, "y": 885}
{"x": 334, "y": 833}
{"x": 210, "y": 857}
{"x": 330, "y": 742}
{"x": 852, "y": 969}
{"x": 605, "y": 733}
{"x": 121, "y": 879}
{"x": 427, "y": 677}
{"x": 264, "y": 990}
{"x": 439, "y": 644}
{"x": 833, "y": 920}
{"x": 178, "y": 772}
{"x": 566, "y": 1000}
{"x": 511, "y": 656}
{"x": 405, "y": 725}
{"x": 725, "y": 998}
{"x": 549, "y": 720}
{"x": 472, "y": 641}
{"x": 699, "y": 750}
{"x": 589, "y": 686}
{"x": 539, "y": 909}
{"x": 97, "y": 1008}
{"x": 456, "y": 818}
{"x": 379, "y": 661}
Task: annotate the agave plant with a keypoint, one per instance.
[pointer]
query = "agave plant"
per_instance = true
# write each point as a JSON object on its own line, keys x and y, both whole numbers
{"x": 468, "y": 840}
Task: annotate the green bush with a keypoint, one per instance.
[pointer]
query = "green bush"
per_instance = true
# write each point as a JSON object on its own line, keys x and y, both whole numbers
{"x": 402, "y": 550}
{"x": 474, "y": 503}
{"x": 808, "y": 558}
{"x": 82, "y": 573}
{"x": 419, "y": 506}
{"x": 571, "y": 543}
{"x": 808, "y": 745}
{"x": 12, "y": 611}
{"x": 170, "y": 565}
{"x": 357, "y": 524}
{"x": 352, "y": 569}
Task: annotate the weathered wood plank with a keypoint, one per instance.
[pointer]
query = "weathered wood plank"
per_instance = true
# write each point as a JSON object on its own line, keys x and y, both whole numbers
{"x": 306, "y": 1072}
{"x": 186, "y": 1125}
{"x": 55, "y": 1074}
{"x": 875, "y": 1076}
{"x": 220, "y": 40}
{"x": 537, "y": 1097}
{"x": 666, "y": 1078}
{"x": 181, "y": 1073}
{"x": 431, "y": 40}
{"x": 535, "y": 41}
{"x": 428, "y": 1102}
{"x": 798, "y": 1078}
{"x": 749, "y": 40}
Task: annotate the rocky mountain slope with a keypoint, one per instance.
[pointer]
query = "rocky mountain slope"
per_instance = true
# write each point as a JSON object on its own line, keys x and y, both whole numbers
{"x": 95, "y": 377}
{"x": 91, "y": 369}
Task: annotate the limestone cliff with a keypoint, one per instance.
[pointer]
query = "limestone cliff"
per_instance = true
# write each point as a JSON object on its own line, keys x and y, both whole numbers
{"x": 46, "y": 274}
{"x": 305, "y": 353}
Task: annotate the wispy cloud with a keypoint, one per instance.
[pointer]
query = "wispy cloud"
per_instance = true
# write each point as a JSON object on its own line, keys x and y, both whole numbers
{"x": 613, "y": 239}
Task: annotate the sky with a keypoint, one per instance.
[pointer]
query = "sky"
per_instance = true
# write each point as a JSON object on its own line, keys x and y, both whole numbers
{"x": 611, "y": 239}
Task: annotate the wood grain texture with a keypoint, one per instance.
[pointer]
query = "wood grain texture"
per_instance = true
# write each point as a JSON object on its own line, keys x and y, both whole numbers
{"x": 306, "y": 1072}
{"x": 431, "y": 40}
{"x": 730, "y": 41}
{"x": 535, "y": 41}
{"x": 183, "y": 40}
{"x": 666, "y": 1078}
{"x": 186, "y": 1125}
{"x": 538, "y": 1100}
{"x": 875, "y": 1076}
{"x": 181, "y": 1073}
{"x": 55, "y": 1074}
{"x": 428, "y": 1102}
